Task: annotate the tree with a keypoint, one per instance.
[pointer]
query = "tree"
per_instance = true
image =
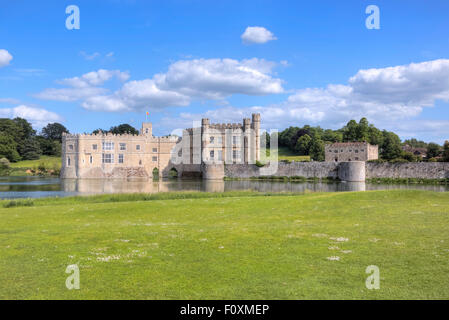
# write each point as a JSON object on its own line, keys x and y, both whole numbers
{"x": 446, "y": 151}
{"x": 303, "y": 144}
{"x": 414, "y": 143}
{"x": 316, "y": 150}
{"x": 363, "y": 130}
{"x": 31, "y": 149}
{"x": 375, "y": 136}
{"x": 391, "y": 146}
{"x": 12, "y": 129}
{"x": 27, "y": 128}
{"x": 332, "y": 136}
{"x": 433, "y": 150}
{"x": 124, "y": 128}
{"x": 8, "y": 148}
{"x": 97, "y": 131}
{"x": 350, "y": 131}
{"x": 54, "y": 131}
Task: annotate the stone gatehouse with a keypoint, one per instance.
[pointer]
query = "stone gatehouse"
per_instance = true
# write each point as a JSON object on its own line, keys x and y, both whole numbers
{"x": 351, "y": 151}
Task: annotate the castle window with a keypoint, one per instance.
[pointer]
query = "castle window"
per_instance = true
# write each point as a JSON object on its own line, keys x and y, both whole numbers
{"x": 180, "y": 153}
{"x": 341, "y": 150}
{"x": 350, "y": 150}
{"x": 212, "y": 153}
{"x": 94, "y": 147}
{"x": 68, "y": 161}
{"x": 356, "y": 158}
{"x": 108, "y": 146}
{"x": 212, "y": 139}
{"x": 154, "y": 159}
{"x": 146, "y": 130}
{"x": 236, "y": 154}
{"x": 220, "y": 140}
{"x": 220, "y": 155}
{"x": 140, "y": 162}
{"x": 235, "y": 140}
{"x": 120, "y": 158}
{"x": 90, "y": 159}
{"x": 70, "y": 146}
{"x": 138, "y": 147}
{"x": 336, "y": 151}
{"x": 362, "y": 150}
{"x": 154, "y": 149}
{"x": 108, "y": 158}
{"x": 122, "y": 146}
{"x": 356, "y": 151}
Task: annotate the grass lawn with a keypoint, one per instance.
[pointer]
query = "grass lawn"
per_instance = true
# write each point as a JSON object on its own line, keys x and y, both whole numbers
{"x": 237, "y": 247}
{"x": 44, "y": 164}
{"x": 285, "y": 153}
{"x": 48, "y": 161}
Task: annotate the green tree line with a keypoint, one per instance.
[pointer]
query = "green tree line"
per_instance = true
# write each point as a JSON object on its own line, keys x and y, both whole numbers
{"x": 19, "y": 141}
{"x": 308, "y": 140}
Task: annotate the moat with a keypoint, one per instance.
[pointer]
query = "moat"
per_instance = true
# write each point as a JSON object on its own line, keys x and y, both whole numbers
{"x": 36, "y": 187}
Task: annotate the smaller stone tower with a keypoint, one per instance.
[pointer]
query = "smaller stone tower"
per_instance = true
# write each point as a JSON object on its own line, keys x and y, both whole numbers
{"x": 147, "y": 129}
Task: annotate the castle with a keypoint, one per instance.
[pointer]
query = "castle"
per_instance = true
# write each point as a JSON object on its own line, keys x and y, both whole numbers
{"x": 200, "y": 151}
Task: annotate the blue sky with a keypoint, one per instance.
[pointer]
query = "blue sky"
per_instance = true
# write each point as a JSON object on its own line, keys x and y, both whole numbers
{"x": 316, "y": 64}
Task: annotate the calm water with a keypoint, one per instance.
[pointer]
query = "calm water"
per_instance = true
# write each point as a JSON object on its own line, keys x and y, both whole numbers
{"x": 35, "y": 187}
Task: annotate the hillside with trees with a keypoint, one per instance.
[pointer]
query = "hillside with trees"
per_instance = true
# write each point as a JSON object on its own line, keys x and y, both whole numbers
{"x": 308, "y": 140}
{"x": 19, "y": 141}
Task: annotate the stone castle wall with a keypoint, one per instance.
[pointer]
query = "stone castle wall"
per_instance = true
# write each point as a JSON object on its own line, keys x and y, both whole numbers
{"x": 293, "y": 169}
{"x": 350, "y": 171}
{"x": 423, "y": 170}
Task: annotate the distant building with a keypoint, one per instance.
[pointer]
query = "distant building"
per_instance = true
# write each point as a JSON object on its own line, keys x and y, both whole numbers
{"x": 419, "y": 152}
{"x": 351, "y": 151}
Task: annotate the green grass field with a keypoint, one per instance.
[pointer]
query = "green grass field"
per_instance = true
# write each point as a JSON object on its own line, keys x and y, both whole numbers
{"x": 285, "y": 153}
{"x": 46, "y": 160}
{"x": 46, "y": 165}
{"x": 227, "y": 246}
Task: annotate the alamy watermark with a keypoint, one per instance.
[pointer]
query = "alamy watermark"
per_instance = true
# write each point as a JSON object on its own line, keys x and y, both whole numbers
{"x": 73, "y": 20}
{"x": 73, "y": 281}
{"x": 373, "y": 20}
{"x": 373, "y": 280}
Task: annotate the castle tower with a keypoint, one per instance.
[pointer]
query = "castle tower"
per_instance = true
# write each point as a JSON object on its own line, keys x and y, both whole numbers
{"x": 147, "y": 129}
{"x": 256, "y": 128}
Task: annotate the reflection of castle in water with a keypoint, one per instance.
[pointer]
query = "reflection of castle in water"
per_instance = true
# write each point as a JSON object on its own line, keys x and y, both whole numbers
{"x": 97, "y": 186}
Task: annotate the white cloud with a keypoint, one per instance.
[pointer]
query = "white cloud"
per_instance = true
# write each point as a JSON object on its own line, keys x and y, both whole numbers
{"x": 82, "y": 87}
{"x": 185, "y": 80}
{"x": 89, "y": 56}
{"x": 219, "y": 78}
{"x": 5, "y": 58}
{"x": 95, "y": 55}
{"x": 70, "y": 94}
{"x": 36, "y": 116}
{"x": 390, "y": 97}
{"x": 95, "y": 78}
{"x": 257, "y": 35}
{"x": 9, "y": 101}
